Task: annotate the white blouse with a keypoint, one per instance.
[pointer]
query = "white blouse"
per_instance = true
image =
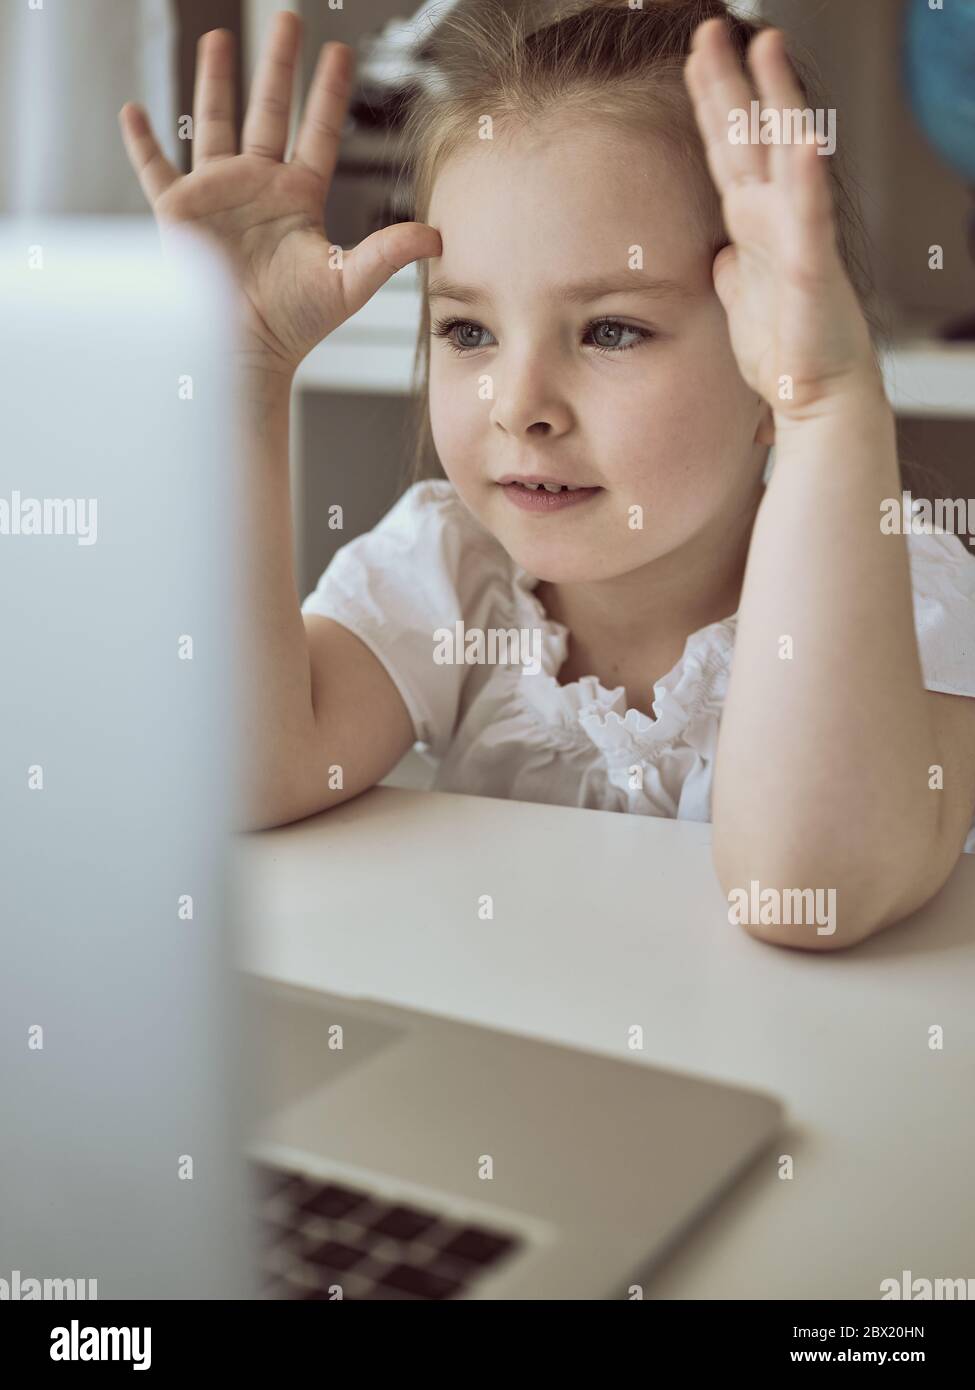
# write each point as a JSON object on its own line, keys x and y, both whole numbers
{"x": 506, "y": 729}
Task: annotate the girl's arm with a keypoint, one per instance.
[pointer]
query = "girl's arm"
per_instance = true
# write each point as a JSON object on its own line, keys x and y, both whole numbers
{"x": 828, "y": 736}
{"x": 314, "y": 698}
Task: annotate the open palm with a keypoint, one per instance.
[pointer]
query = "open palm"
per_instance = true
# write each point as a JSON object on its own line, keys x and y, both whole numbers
{"x": 266, "y": 214}
{"x": 796, "y": 327}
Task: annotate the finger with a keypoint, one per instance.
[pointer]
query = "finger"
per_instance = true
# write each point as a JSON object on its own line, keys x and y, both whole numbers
{"x": 810, "y": 194}
{"x": 719, "y": 86}
{"x": 775, "y": 77}
{"x": 380, "y": 255}
{"x": 153, "y": 169}
{"x": 799, "y": 166}
{"x": 778, "y": 89}
{"x": 320, "y": 133}
{"x": 213, "y": 99}
{"x": 269, "y": 109}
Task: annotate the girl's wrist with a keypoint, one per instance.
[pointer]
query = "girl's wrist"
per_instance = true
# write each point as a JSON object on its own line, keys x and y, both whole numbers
{"x": 859, "y": 394}
{"x": 265, "y": 400}
{"x": 260, "y": 365}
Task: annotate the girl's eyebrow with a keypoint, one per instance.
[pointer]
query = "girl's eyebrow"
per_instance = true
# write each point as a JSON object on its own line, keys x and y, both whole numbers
{"x": 580, "y": 292}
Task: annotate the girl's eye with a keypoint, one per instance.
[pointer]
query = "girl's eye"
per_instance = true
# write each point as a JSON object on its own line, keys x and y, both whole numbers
{"x": 446, "y": 328}
{"x": 608, "y": 334}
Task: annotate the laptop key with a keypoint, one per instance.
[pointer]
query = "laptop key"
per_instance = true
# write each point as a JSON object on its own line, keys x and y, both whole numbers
{"x": 333, "y": 1201}
{"x": 478, "y": 1246}
{"x": 403, "y": 1223}
{"x": 333, "y": 1255}
{"x": 419, "y": 1283}
{"x": 326, "y": 1234}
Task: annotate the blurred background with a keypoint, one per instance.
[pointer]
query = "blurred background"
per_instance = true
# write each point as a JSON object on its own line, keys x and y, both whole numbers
{"x": 901, "y": 75}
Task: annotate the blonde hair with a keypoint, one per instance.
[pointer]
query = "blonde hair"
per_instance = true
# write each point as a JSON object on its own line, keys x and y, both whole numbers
{"x": 585, "y": 59}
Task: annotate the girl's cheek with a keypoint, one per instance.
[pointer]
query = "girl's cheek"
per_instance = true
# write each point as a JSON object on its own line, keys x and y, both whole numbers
{"x": 647, "y": 425}
{"x": 668, "y": 442}
{"x": 453, "y": 424}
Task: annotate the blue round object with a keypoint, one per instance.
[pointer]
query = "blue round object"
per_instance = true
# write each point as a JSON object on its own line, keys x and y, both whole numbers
{"x": 939, "y": 72}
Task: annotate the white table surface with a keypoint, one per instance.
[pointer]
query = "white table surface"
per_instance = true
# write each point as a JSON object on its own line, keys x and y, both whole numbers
{"x": 603, "y": 920}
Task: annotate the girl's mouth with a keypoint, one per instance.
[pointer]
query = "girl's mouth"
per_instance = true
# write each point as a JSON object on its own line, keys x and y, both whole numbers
{"x": 540, "y": 500}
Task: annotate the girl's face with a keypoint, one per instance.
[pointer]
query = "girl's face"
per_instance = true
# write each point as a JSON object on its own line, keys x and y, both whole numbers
{"x": 568, "y": 358}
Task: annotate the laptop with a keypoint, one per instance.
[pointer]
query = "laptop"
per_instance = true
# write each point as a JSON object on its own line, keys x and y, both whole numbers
{"x": 175, "y": 1127}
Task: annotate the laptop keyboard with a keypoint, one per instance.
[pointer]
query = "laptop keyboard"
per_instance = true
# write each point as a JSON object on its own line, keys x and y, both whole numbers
{"x": 315, "y": 1234}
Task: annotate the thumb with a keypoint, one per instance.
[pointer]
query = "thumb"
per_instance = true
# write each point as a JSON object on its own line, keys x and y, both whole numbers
{"x": 380, "y": 255}
{"x": 725, "y": 273}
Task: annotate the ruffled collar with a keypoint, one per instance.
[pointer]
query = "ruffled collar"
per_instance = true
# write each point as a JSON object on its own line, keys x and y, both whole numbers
{"x": 686, "y": 701}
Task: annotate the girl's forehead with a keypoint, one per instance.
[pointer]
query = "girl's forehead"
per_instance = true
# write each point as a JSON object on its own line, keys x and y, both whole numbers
{"x": 575, "y": 192}
{"x": 558, "y": 153}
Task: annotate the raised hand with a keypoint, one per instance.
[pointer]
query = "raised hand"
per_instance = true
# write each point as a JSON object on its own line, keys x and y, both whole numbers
{"x": 792, "y": 311}
{"x": 265, "y": 213}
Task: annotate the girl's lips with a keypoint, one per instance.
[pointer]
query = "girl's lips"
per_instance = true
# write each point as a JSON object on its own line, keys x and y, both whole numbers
{"x": 541, "y": 501}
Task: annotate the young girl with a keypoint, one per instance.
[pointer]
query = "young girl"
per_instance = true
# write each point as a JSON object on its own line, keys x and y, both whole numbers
{"x": 621, "y": 300}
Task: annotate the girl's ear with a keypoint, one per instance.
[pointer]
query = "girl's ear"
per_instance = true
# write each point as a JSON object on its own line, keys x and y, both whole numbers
{"x": 765, "y": 434}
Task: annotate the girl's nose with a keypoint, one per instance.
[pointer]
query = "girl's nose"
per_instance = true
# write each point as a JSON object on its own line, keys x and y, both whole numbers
{"x": 524, "y": 402}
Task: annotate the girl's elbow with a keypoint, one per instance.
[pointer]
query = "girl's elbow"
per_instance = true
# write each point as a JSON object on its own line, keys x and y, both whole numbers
{"x": 798, "y": 906}
{"x": 833, "y": 900}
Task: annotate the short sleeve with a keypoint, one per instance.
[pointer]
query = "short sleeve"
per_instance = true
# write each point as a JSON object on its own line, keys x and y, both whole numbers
{"x": 393, "y": 587}
{"x": 943, "y": 581}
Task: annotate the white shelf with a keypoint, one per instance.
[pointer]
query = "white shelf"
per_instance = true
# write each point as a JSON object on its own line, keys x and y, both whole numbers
{"x": 929, "y": 378}
{"x": 347, "y": 362}
{"x": 374, "y": 352}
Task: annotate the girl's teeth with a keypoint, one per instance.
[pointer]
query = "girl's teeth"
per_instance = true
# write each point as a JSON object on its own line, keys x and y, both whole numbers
{"x": 550, "y": 487}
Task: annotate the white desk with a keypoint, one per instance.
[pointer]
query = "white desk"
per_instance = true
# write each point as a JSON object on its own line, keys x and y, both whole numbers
{"x": 603, "y": 920}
